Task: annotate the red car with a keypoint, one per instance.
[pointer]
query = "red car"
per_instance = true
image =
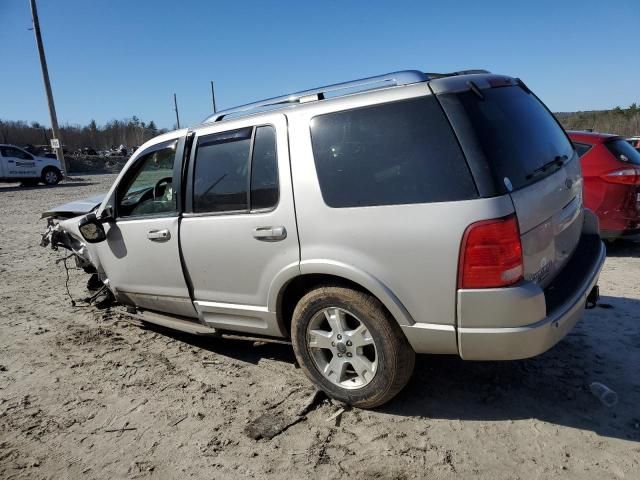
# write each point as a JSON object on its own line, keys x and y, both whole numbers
{"x": 611, "y": 171}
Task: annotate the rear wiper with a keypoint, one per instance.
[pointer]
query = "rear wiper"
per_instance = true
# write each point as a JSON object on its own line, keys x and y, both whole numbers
{"x": 558, "y": 161}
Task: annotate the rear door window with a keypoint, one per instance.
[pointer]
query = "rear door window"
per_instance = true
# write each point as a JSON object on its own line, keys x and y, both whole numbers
{"x": 264, "y": 169}
{"x": 515, "y": 132}
{"x": 236, "y": 171}
{"x": 623, "y": 151}
{"x": 395, "y": 153}
{"x": 222, "y": 172}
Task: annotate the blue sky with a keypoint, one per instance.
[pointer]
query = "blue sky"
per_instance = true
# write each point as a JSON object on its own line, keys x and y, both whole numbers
{"x": 117, "y": 58}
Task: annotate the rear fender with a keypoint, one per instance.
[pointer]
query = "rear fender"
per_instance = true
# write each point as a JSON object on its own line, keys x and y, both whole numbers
{"x": 364, "y": 279}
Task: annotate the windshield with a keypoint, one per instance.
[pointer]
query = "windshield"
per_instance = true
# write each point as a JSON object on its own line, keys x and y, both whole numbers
{"x": 624, "y": 152}
{"x": 520, "y": 139}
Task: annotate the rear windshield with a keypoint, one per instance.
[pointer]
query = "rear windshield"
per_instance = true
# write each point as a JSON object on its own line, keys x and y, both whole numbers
{"x": 514, "y": 130}
{"x": 624, "y": 152}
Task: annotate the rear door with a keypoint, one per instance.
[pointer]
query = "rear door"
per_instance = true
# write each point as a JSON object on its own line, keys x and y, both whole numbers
{"x": 238, "y": 232}
{"x": 507, "y": 130}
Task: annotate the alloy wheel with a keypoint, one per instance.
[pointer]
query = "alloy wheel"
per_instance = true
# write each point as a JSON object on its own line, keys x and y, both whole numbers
{"x": 342, "y": 348}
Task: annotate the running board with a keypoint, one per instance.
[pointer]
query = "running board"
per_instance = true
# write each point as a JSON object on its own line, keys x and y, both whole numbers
{"x": 193, "y": 327}
{"x": 173, "y": 322}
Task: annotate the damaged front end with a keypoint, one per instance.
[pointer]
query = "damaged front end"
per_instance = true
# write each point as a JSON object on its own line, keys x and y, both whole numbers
{"x": 63, "y": 231}
{"x": 58, "y": 234}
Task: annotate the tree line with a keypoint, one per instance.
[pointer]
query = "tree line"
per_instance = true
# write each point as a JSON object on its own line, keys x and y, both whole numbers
{"x": 621, "y": 121}
{"x": 129, "y": 132}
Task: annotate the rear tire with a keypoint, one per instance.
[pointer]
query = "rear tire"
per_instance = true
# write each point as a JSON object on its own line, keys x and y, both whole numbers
{"x": 51, "y": 176}
{"x": 350, "y": 347}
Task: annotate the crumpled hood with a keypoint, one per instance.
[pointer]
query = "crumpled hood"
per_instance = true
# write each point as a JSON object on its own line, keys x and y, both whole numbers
{"x": 75, "y": 208}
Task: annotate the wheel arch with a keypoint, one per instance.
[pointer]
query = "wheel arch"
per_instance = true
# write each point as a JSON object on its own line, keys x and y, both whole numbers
{"x": 313, "y": 273}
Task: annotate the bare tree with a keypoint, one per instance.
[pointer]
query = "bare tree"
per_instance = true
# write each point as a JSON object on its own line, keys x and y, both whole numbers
{"x": 129, "y": 132}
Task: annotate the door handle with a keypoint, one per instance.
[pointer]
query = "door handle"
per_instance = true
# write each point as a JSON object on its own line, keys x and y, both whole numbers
{"x": 270, "y": 234}
{"x": 159, "y": 235}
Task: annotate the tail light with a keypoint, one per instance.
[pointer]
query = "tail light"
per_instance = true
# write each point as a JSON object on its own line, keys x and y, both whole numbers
{"x": 491, "y": 254}
{"x": 626, "y": 176}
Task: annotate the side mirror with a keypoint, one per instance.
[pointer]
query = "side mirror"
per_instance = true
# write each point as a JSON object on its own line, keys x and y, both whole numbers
{"x": 91, "y": 229}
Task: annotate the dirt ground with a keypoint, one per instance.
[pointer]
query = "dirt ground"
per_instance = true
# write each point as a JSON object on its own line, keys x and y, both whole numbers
{"x": 84, "y": 393}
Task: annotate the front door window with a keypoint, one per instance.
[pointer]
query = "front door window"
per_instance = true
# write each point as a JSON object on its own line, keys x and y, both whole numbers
{"x": 12, "y": 152}
{"x": 148, "y": 188}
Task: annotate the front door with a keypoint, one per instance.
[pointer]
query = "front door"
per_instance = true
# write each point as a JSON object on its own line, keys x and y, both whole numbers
{"x": 238, "y": 232}
{"x": 18, "y": 163}
{"x": 141, "y": 256}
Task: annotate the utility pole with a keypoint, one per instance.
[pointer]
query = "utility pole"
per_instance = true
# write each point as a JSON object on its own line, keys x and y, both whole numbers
{"x": 47, "y": 87}
{"x": 213, "y": 97}
{"x": 175, "y": 106}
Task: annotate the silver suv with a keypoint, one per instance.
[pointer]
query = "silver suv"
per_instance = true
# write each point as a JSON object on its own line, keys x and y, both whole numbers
{"x": 365, "y": 221}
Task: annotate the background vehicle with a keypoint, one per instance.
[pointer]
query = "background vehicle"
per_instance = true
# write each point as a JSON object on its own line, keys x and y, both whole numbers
{"x": 367, "y": 221}
{"x": 611, "y": 172}
{"x": 18, "y": 165}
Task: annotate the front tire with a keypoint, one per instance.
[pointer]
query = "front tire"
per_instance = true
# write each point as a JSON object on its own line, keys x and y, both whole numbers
{"x": 51, "y": 176}
{"x": 349, "y": 346}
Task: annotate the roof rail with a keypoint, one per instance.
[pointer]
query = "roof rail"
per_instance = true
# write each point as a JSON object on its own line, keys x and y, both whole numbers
{"x": 433, "y": 76}
{"x": 405, "y": 77}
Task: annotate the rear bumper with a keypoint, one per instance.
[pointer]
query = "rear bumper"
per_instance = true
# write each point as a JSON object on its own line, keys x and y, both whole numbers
{"x": 524, "y": 321}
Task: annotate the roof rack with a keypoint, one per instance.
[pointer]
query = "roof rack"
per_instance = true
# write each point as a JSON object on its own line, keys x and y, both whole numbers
{"x": 405, "y": 77}
{"x": 433, "y": 76}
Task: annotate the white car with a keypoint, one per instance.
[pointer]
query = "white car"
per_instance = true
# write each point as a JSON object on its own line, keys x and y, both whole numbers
{"x": 18, "y": 165}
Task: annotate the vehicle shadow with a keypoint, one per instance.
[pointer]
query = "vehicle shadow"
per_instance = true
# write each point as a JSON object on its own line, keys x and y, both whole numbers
{"x": 26, "y": 188}
{"x": 248, "y": 351}
{"x": 552, "y": 388}
{"x": 624, "y": 248}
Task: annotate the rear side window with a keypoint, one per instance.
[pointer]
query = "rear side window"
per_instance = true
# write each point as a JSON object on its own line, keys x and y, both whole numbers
{"x": 514, "y": 131}
{"x": 581, "y": 148}
{"x": 395, "y": 153}
{"x": 623, "y": 151}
